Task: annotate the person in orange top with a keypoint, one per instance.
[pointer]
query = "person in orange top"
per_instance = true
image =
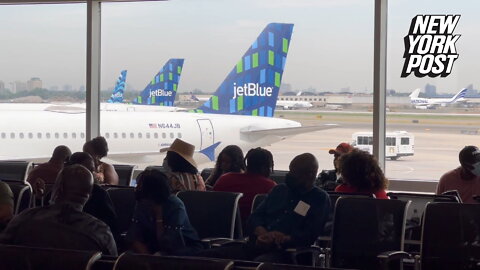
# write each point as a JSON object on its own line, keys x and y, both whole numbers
{"x": 361, "y": 174}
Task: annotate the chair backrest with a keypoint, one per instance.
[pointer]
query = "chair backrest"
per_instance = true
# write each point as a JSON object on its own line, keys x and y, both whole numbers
{"x": 106, "y": 262}
{"x": 211, "y": 213}
{"x": 33, "y": 258}
{"x": 275, "y": 266}
{"x": 125, "y": 173}
{"x": 278, "y": 176}
{"x": 123, "y": 199}
{"x": 451, "y": 236}
{"x": 22, "y": 195}
{"x": 365, "y": 227}
{"x": 257, "y": 200}
{"x": 146, "y": 262}
{"x": 418, "y": 203}
{"x": 14, "y": 170}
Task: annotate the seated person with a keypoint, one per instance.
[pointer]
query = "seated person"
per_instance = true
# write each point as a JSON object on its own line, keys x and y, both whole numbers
{"x": 62, "y": 225}
{"x": 292, "y": 215}
{"x": 183, "y": 173}
{"x": 329, "y": 179}
{"x": 229, "y": 160}
{"x": 160, "y": 221}
{"x": 99, "y": 204}
{"x": 105, "y": 173}
{"x": 254, "y": 181}
{"x": 466, "y": 178}
{"x": 46, "y": 173}
{"x": 6, "y": 205}
{"x": 361, "y": 174}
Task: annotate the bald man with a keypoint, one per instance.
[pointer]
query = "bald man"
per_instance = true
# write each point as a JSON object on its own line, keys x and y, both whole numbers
{"x": 47, "y": 172}
{"x": 292, "y": 215}
{"x": 63, "y": 224}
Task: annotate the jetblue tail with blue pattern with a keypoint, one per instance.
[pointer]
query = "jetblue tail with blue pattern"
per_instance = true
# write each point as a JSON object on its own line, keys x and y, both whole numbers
{"x": 117, "y": 95}
{"x": 252, "y": 87}
{"x": 162, "y": 89}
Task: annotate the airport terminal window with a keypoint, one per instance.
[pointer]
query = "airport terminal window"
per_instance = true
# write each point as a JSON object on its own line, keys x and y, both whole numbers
{"x": 438, "y": 126}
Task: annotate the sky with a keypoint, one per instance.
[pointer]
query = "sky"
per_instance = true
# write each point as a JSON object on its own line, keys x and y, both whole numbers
{"x": 331, "y": 47}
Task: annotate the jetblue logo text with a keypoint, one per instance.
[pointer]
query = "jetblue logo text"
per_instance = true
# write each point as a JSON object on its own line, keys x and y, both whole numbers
{"x": 430, "y": 46}
{"x": 160, "y": 93}
{"x": 251, "y": 89}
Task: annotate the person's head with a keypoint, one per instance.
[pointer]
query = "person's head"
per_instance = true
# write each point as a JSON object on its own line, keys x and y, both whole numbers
{"x": 180, "y": 157}
{"x": 73, "y": 185}
{"x": 84, "y": 159}
{"x": 152, "y": 185}
{"x": 61, "y": 154}
{"x": 230, "y": 159}
{"x": 360, "y": 170}
{"x": 259, "y": 161}
{"x": 341, "y": 149}
{"x": 6, "y": 205}
{"x": 99, "y": 147}
{"x": 302, "y": 172}
{"x": 469, "y": 158}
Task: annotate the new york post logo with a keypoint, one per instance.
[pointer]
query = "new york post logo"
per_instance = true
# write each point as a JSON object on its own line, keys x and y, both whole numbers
{"x": 430, "y": 46}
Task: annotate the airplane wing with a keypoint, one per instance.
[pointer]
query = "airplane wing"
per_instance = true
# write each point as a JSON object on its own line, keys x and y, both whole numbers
{"x": 287, "y": 131}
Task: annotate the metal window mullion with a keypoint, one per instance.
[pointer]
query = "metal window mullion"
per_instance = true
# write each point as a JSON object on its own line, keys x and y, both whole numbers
{"x": 380, "y": 81}
{"x": 93, "y": 69}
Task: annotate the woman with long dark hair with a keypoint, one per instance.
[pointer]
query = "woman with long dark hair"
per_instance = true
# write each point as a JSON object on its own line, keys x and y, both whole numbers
{"x": 229, "y": 160}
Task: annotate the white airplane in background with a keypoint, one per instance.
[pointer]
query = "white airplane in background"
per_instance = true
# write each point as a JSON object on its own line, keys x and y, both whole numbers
{"x": 239, "y": 112}
{"x": 292, "y": 104}
{"x": 429, "y": 103}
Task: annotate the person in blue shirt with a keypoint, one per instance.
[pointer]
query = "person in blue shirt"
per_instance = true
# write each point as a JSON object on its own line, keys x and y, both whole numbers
{"x": 292, "y": 216}
{"x": 160, "y": 221}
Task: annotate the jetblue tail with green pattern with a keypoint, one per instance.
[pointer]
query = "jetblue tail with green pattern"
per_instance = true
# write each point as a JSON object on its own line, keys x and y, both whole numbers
{"x": 251, "y": 88}
{"x": 162, "y": 89}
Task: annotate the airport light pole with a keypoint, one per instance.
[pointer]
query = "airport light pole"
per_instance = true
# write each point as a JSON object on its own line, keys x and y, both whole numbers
{"x": 380, "y": 81}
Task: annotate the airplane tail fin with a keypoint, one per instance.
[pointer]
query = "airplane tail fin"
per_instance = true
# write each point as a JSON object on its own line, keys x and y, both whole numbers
{"x": 415, "y": 93}
{"x": 117, "y": 95}
{"x": 461, "y": 94}
{"x": 251, "y": 88}
{"x": 162, "y": 89}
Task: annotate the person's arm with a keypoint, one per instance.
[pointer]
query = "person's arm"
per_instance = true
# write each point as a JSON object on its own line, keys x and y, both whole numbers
{"x": 441, "y": 185}
{"x": 201, "y": 183}
{"x": 110, "y": 176}
{"x": 257, "y": 218}
{"x": 314, "y": 223}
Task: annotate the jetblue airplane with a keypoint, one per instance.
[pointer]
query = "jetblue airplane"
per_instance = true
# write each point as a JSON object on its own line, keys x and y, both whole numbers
{"x": 117, "y": 95}
{"x": 231, "y": 116}
{"x": 430, "y": 103}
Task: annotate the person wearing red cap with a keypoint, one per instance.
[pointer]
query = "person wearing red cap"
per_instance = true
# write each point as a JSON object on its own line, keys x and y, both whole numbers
{"x": 329, "y": 179}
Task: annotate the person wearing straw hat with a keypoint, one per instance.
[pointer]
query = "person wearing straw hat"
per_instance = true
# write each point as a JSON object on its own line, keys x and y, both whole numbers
{"x": 183, "y": 173}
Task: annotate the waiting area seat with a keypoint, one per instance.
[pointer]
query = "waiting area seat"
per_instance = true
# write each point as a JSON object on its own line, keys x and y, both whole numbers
{"x": 450, "y": 238}
{"x": 123, "y": 199}
{"x": 125, "y": 173}
{"x": 147, "y": 262}
{"x": 213, "y": 214}
{"x": 33, "y": 258}
{"x": 22, "y": 195}
{"x": 15, "y": 170}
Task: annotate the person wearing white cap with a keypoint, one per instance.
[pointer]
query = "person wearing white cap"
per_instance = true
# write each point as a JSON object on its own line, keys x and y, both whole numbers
{"x": 183, "y": 173}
